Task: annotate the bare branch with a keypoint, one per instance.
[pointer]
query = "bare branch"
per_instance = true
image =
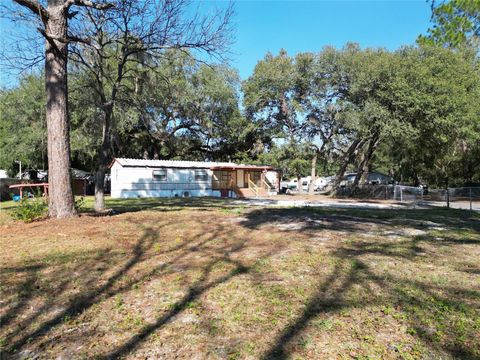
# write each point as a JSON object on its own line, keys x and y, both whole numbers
{"x": 52, "y": 37}
{"x": 90, "y": 4}
{"x": 35, "y": 7}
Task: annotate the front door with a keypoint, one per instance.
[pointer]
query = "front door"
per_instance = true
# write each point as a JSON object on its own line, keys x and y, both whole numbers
{"x": 240, "y": 180}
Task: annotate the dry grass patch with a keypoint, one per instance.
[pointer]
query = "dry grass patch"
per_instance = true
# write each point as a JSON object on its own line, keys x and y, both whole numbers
{"x": 214, "y": 281}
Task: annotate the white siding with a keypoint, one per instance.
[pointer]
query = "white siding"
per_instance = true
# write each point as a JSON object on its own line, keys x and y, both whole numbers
{"x": 127, "y": 194}
{"x": 272, "y": 177}
{"x": 132, "y": 182}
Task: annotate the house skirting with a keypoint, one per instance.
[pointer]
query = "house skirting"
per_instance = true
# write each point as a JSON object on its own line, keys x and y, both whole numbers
{"x": 133, "y": 194}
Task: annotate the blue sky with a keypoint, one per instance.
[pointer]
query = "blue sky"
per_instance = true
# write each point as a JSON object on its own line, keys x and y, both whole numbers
{"x": 297, "y": 26}
{"x": 309, "y": 25}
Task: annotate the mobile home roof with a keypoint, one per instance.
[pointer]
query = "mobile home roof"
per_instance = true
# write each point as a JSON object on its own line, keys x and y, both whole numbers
{"x": 186, "y": 164}
{"x": 168, "y": 163}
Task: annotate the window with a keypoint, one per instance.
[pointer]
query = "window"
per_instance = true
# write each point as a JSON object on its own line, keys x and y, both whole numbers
{"x": 160, "y": 175}
{"x": 201, "y": 175}
{"x": 256, "y": 176}
{"x": 225, "y": 176}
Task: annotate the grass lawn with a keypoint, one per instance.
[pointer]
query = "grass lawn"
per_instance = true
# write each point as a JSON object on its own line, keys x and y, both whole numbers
{"x": 206, "y": 279}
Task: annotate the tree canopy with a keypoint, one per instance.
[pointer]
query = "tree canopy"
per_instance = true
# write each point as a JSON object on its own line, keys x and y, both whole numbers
{"x": 456, "y": 23}
{"x": 412, "y": 113}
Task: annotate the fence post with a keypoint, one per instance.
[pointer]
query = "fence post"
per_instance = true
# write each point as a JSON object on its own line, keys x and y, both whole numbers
{"x": 401, "y": 195}
{"x": 448, "y": 199}
{"x": 470, "y": 196}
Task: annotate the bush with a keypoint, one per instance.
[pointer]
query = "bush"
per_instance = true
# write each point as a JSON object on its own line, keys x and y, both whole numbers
{"x": 79, "y": 203}
{"x": 31, "y": 209}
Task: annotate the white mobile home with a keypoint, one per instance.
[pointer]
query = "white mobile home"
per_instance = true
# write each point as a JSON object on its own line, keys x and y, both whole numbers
{"x": 138, "y": 178}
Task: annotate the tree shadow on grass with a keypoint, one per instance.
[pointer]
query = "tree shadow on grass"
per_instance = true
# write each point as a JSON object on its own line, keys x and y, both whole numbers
{"x": 328, "y": 298}
{"x": 355, "y": 220}
{"x": 436, "y": 315}
{"x": 121, "y": 206}
{"x": 20, "y": 293}
{"x": 97, "y": 276}
{"x": 429, "y": 310}
{"x": 221, "y": 255}
{"x": 91, "y": 294}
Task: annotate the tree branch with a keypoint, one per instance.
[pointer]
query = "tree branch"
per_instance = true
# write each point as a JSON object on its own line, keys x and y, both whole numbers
{"x": 68, "y": 39}
{"x": 50, "y": 38}
{"x": 88, "y": 3}
{"x": 35, "y": 7}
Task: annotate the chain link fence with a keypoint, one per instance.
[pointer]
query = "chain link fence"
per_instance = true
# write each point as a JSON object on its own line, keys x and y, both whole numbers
{"x": 467, "y": 198}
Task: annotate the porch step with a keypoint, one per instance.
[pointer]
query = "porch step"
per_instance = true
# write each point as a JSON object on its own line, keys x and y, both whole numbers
{"x": 248, "y": 193}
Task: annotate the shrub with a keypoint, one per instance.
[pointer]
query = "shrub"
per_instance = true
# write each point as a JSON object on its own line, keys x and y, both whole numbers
{"x": 79, "y": 203}
{"x": 31, "y": 209}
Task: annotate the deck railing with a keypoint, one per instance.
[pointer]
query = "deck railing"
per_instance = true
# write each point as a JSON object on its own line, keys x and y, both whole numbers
{"x": 253, "y": 187}
{"x": 267, "y": 185}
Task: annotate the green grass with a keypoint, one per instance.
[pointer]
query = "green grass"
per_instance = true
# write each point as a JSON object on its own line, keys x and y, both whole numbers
{"x": 133, "y": 205}
{"x": 177, "y": 277}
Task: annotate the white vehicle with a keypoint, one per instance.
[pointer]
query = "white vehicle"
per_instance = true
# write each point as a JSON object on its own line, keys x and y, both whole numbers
{"x": 292, "y": 184}
{"x": 321, "y": 183}
{"x": 289, "y": 185}
{"x": 306, "y": 183}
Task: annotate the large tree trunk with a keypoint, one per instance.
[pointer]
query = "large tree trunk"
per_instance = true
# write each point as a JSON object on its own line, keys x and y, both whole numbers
{"x": 61, "y": 204}
{"x": 100, "y": 188}
{"x": 363, "y": 166}
{"x": 299, "y": 184}
{"x": 104, "y": 158}
{"x": 311, "y": 187}
{"x": 349, "y": 156}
